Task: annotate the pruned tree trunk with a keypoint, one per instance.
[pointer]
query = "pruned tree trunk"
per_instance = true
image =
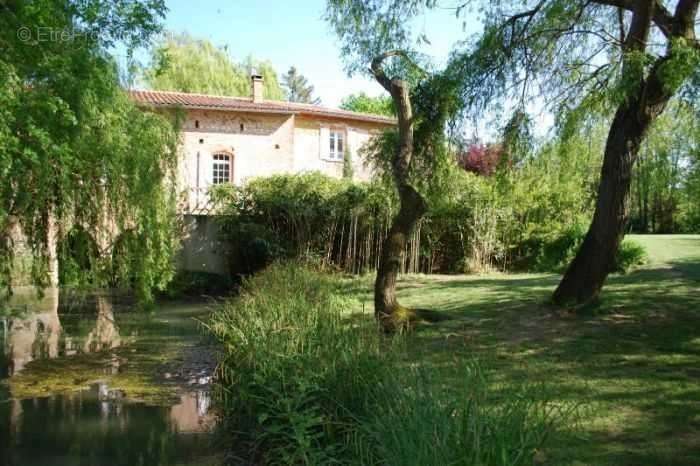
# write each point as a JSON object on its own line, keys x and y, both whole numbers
{"x": 389, "y": 313}
{"x": 386, "y": 306}
{"x": 586, "y": 274}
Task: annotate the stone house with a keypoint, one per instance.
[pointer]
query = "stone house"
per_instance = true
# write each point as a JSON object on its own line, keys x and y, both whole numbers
{"x": 234, "y": 139}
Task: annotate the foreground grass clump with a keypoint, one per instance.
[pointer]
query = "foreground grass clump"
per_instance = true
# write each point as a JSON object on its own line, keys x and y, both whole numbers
{"x": 305, "y": 382}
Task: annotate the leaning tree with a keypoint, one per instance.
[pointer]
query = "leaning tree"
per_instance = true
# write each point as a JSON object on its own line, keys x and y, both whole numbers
{"x": 620, "y": 60}
{"x": 617, "y": 59}
{"x": 414, "y": 155}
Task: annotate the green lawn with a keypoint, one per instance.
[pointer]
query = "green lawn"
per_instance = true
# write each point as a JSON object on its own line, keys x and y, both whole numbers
{"x": 634, "y": 366}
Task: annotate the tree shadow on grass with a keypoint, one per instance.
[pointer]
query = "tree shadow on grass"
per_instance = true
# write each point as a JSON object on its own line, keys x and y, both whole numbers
{"x": 635, "y": 364}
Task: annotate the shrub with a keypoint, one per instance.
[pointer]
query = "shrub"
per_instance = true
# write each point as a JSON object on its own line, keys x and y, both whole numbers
{"x": 339, "y": 222}
{"x": 292, "y": 367}
{"x": 190, "y": 283}
{"x": 630, "y": 255}
{"x": 303, "y": 383}
{"x": 473, "y": 224}
{"x": 552, "y": 252}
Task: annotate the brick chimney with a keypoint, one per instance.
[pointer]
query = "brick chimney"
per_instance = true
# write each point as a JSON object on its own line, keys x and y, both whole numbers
{"x": 257, "y": 87}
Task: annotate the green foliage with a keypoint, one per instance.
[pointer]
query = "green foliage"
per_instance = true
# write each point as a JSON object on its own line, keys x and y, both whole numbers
{"x": 555, "y": 253}
{"x": 298, "y": 88}
{"x": 630, "y": 255}
{"x": 690, "y": 206}
{"x": 663, "y": 199}
{"x": 301, "y": 384}
{"x": 312, "y": 216}
{"x": 76, "y": 259}
{"x": 288, "y": 360}
{"x": 368, "y": 28}
{"x": 473, "y": 223}
{"x": 271, "y": 86}
{"x": 183, "y": 63}
{"x": 348, "y": 171}
{"x": 75, "y": 150}
{"x": 363, "y": 103}
{"x": 189, "y": 284}
{"x": 180, "y": 62}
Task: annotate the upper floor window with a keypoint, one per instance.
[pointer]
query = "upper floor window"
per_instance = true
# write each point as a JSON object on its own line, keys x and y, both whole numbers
{"x": 221, "y": 169}
{"x": 337, "y": 145}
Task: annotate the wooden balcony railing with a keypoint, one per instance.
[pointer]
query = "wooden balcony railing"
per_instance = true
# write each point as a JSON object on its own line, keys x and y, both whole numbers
{"x": 196, "y": 201}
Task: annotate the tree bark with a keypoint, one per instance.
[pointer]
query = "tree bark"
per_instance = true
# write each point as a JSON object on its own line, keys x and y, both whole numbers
{"x": 385, "y": 303}
{"x": 389, "y": 313}
{"x": 586, "y": 274}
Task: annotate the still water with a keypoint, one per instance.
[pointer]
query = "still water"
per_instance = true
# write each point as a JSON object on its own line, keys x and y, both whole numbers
{"x": 90, "y": 381}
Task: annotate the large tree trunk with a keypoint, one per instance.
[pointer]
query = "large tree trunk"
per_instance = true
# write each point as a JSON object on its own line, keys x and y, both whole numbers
{"x": 586, "y": 274}
{"x": 389, "y": 313}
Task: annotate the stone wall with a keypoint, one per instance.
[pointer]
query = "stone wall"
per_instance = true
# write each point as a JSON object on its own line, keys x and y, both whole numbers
{"x": 202, "y": 249}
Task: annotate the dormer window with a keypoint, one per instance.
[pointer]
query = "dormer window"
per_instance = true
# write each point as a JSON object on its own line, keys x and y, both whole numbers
{"x": 337, "y": 145}
{"x": 221, "y": 169}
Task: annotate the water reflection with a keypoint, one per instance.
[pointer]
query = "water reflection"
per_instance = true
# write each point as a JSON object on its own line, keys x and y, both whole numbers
{"x": 99, "y": 426}
{"x": 191, "y": 414}
{"x": 34, "y": 336}
{"x": 105, "y": 334}
{"x": 95, "y": 427}
{"x": 38, "y": 334}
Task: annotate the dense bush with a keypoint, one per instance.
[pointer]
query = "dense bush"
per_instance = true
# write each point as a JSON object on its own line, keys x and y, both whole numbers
{"x": 530, "y": 215}
{"x": 190, "y": 284}
{"x": 630, "y": 255}
{"x": 476, "y": 225}
{"x": 555, "y": 253}
{"x": 333, "y": 222}
{"x": 304, "y": 382}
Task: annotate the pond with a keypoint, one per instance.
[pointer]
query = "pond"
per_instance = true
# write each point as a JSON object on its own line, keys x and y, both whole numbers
{"x": 89, "y": 380}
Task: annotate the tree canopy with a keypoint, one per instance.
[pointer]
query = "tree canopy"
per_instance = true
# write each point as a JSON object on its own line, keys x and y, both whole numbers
{"x": 74, "y": 150}
{"x": 298, "y": 89}
{"x": 180, "y": 62}
{"x": 582, "y": 60}
{"x": 364, "y": 103}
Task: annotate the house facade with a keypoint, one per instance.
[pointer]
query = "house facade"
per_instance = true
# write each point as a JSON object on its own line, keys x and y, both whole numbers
{"x": 235, "y": 139}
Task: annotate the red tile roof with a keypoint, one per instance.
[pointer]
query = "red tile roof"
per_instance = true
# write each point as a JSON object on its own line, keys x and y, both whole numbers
{"x": 243, "y": 104}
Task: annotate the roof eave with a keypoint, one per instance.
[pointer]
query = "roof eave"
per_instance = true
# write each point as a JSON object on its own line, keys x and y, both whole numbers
{"x": 335, "y": 116}
{"x": 301, "y": 112}
{"x": 217, "y": 108}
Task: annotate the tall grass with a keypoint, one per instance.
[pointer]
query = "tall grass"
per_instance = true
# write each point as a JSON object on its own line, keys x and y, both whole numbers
{"x": 303, "y": 382}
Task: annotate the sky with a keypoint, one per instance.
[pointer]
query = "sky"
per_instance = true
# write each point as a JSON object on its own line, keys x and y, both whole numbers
{"x": 292, "y": 32}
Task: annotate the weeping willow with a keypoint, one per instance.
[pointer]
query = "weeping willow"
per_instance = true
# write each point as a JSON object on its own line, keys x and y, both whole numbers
{"x": 76, "y": 154}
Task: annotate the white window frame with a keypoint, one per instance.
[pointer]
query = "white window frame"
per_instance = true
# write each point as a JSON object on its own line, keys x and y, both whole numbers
{"x": 221, "y": 168}
{"x": 335, "y": 153}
